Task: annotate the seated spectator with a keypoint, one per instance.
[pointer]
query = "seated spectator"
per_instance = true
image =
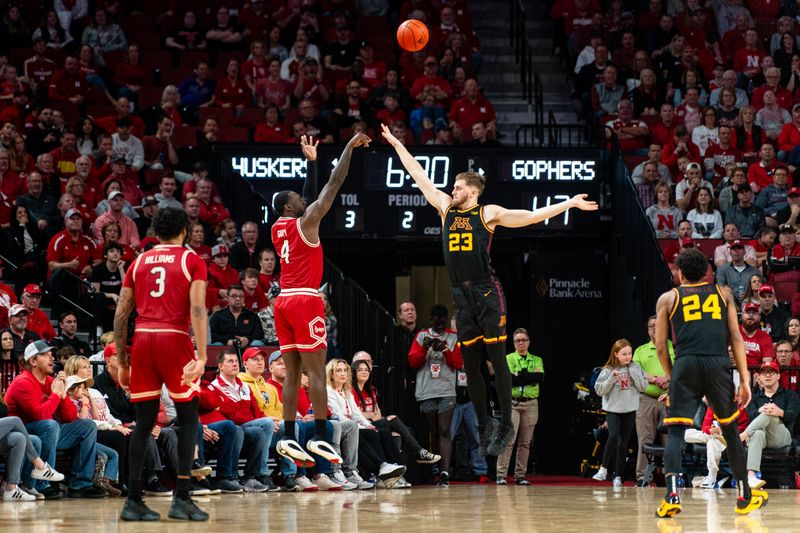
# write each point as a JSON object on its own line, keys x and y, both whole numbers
{"x": 722, "y": 154}
{"x": 129, "y": 234}
{"x": 722, "y": 255}
{"x": 68, "y": 327}
{"x": 689, "y": 112}
{"x": 267, "y": 316}
{"x": 106, "y": 279}
{"x": 272, "y": 88}
{"x": 391, "y": 111}
{"x": 255, "y": 68}
{"x": 196, "y": 241}
{"x": 687, "y": 190}
{"x": 591, "y": 74}
{"x": 772, "y": 117}
{"x": 224, "y": 35}
{"x": 646, "y": 190}
{"x": 38, "y": 321}
{"x": 751, "y": 294}
{"x": 254, "y": 297}
{"x": 231, "y": 90}
{"x": 244, "y": 254}
{"x": 70, "y": 251}
{"x": 783, "y": 97}
{"x": 366, "y": 396}
{"x": 199, "y": 172}
{"x": 52, "y": 33}
{"x": 198, "y": 90}
{"x": 757, "y": 343}
{"x": 130, "y": 75}
{"x": 166, "y": 193}
{"x": 774, "y": 197}
{"x": 220, "y": 276}
{"x": 342, "y": 52}
{"x": 663, "y": 132}
{"x": 37, "y": 398}
{"x": 431, "y": 83}
{"x": 268, "y": 275}
{"x": 764, "y": 240}
{"x": 422, "y": 119}
{"x": 311, "y": 84}
{"x": 654, "y": 155}
{"x": 103, "y": 36}
{"x": 122, "y": 108}
{"x": 235, "y": 323}
{"x": 127, "y": 145}
{"x": 18, "y": 327}
{"x": 211, "y": 211}
{"x": 706, "y": 134}
{"x": 76, "y": 187}
{"x": 785, "y": 256}
{"x": 710, "y": 435}
{"x": 788, "y": 214}
{"x": 112, "y": 184}
{"x": 690, "y": 78}
{"x": 41, "y": 206}
{"x": 25, "y": 241}
{"x": 272, "y": 130}
{"x": 391, "y": 84}
{"x": 773, "y": 318}
{"x": 149, "y": 207}
{"x": 664, "y": 216}
{"x": 314, "y": 125}
{"x": 631, "y": 133}
{"x": 187, "y": 35}
{"x": 744, "y": 215}
{"x": 606, "y": 95}
{"x": 679, "y": 146}
{"x": 706, "y": 221}
{"x": 772, "y": 413}
{"x": 789, "y": 139}
{"x": 737, "y": 273}
{"x": 729, "y": 82}
{"x": 480, "y": 134}
{"x": 227, "y": 234}
{"x": 192, "y": 207}
{"x": 350, "y": 107}
{"x": 785, "y": 357}
{"x": 64, "y": 157}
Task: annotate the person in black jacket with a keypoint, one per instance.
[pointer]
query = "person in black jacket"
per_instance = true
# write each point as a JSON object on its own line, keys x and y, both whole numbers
{"x": 235, "y": 323}
{"x": 244, "y": 254}
{"x": 24, "y": 243}
{"x": 68, "y": 325}
{"x": 773, "y": 413}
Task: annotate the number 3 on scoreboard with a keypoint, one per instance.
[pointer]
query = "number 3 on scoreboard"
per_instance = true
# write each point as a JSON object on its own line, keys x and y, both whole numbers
{"x": 285, "y": 251}
{"x": 693, "y": 311}
{"x": 160, "y": 273}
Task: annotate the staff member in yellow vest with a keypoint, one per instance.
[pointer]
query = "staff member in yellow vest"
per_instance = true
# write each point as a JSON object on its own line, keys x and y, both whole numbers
{"x": 650, "y": 412}
{"x": 527, "y": 371}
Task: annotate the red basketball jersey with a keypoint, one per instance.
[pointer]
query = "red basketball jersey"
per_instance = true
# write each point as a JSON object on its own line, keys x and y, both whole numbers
{"x": 301, "y": 261}
{"x": 160, "y": 279}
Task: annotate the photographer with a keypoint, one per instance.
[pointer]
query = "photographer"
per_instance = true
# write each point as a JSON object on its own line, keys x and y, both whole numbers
{"x": 235, "y": 323}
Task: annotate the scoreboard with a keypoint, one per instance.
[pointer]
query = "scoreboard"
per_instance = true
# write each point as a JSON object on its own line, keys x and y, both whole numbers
{"x": 380, "y": 200}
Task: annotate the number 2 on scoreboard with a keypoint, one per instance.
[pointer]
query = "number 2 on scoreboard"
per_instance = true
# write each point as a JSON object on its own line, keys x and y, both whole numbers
{"x": 285, "y": 251}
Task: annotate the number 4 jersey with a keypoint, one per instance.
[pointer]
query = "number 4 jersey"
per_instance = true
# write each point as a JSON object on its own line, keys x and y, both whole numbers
{"x": 699, "y": 320}
{"x": 160, "y": 279}
{"x": 467, "y": 243}
{"x": 301, "y": 260}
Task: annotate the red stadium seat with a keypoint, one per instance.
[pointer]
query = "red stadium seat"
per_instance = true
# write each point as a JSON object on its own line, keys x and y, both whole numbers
{"x": 190, "y": 58}
{"x": 115, "y": 56}
{"x": 147, "y": 42}
{"x": 71, "y": 112}
{"x": 224, "y": 115}
{"x": 17, "y": 57}
{"x": 784, "y": 290}
{"x": 174, "y": 76}
{"x": 152, "y": 178}
{"x": 139, "y": 23}
{"x": 149, "y": 97}
{"x": 234, "y": 135}
{"x": 632, "y": 160}
{"x": 183, "y": 136}
{"x": 99, "y": 111}
{"x": 250, "y": 117}
{"x": 707, "y": 246}
{"x": 224, "y": 57}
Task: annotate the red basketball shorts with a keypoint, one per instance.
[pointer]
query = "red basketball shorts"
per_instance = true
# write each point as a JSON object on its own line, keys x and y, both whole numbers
{"x": 299, "y": 321}
{"x": 157, "y": 358}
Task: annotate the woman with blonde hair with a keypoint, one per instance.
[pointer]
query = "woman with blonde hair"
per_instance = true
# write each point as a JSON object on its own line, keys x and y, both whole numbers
{"x": 619, "y": 383}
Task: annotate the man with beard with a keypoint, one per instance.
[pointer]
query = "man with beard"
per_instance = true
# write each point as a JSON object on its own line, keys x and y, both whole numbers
{"x": 480, "y": 307}
{"x": 757, "y": 342}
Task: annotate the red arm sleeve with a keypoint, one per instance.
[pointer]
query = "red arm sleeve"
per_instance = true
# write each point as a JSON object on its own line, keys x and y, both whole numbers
{"x": 67, "y": 411}
{"x": 706, "y": 427}
{"x": 453, "y": 358}
{"x": 53, "y": 92}
{"x": 417, "y": 354}
{"x": 209, "y": 399}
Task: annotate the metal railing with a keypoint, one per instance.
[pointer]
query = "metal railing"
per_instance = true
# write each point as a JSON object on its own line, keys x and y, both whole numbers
{"x": 523, "y": 53}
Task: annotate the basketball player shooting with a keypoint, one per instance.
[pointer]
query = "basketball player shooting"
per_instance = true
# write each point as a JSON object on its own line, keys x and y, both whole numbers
{"x": 299, "y": 310}
{"x": 703, "y": 320}
{"x": 479, "y": 303}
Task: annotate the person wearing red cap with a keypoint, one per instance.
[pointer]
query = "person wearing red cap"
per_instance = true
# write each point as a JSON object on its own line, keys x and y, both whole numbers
{"x": 773, "y": 412}
{"x": 72, "y": 250}
{"x": 220, "y": 276}
{"x": 764, "y": 240}
{"x": 737, "y": 273}
{"x": 757, "y": 343}
{"x": 785, "y": 256}
{"x": 18, "y": 326}
{"x": 773, "y": 318}
{"x": 38, "y": 321}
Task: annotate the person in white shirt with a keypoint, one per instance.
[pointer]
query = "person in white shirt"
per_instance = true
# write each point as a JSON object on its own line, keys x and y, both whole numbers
{"x": 706, "y": 221}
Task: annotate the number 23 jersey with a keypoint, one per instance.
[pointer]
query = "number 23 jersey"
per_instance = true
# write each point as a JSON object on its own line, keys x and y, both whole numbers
{"x": 161, "y": 278}
{"x": 467, "y": 243}
{"x": 301, "y": 261}
{"x": 699, "y": 320}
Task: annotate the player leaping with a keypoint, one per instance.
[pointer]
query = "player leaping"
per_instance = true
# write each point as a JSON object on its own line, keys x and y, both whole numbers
{"x": 480, "y": 307}
{"x": 299, "y": 310}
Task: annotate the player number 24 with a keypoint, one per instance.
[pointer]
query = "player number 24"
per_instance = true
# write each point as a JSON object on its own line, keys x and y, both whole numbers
{"x": 692, "y": 310}
{"x": 460, "y": 242}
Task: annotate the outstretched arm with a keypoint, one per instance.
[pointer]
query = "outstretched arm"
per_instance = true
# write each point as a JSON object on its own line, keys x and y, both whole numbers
{"x": 438, "y": 199}
{"x": 517, "y": 218}
{"x": 309, "y": 148}
{"x": 322, "y": 205}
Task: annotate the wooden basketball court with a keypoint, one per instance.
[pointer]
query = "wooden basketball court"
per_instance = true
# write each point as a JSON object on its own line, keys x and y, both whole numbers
{"x": 463, "y": 508}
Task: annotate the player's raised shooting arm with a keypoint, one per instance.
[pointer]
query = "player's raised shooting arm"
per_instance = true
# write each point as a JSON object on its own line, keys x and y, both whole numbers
{"x": 322, "y": 205}
{"x": 310, "y": 153}
{"x": 496, "y": 215}
{"x": 125, "y": 305}
{"x": 199, "y": 317}
{"x": 438, "y": 199}
{"x": 663, "y": 308}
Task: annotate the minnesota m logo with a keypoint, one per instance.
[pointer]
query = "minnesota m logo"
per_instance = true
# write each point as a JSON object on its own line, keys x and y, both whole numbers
{"x": 461, "y": 223}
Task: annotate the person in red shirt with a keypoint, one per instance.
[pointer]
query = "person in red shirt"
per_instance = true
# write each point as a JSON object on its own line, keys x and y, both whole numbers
{"x": 782, "y": 95}
{"x": 232, "y": 91}
{"x": 220, "y": 276}
{"x": 10, "y": 183}
{"x": 723, "y": 154}
{"x": 311, "y": 83}
{"x": 129, "y": 75}
{"x": 790, "y": 378}
{"x": 747, "y": 60}
{"x": 38, "y": 321}
{"x": 469, "y": 109}
{"x": 68, "y": 85}
{"x": 71, "y": 248}
{"x": 390, "y": 112}
{"x": 255, "y": 298}
{"x": 759, "y": 175}
{"x": 679, "y": 146}
{"x": 664, "y": 131}
{"x": 757, "y": 343}
{"x": 255, "y": 68}
{"x": 211, "y": 212}
{"x": 159, "y": 152}
{"x": 64, "y": 157}
{"x": 431, "y": 82}
{"x": 374, "y": 71}
{"x": 123, "y": 110}
{"x": 39, "y": 69}
{"x": 789, "y": 138}
{"x": 734, "y": 39}
{"x": 271, "y": 130}
{"x": 167, "y": 287}
{"x": 272, "y": 88}
{"x": 268, "y": 275}
{"x": 41, "y": 402}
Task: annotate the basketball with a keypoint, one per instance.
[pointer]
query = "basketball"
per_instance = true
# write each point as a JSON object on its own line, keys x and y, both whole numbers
{"x": 412, "y": 35}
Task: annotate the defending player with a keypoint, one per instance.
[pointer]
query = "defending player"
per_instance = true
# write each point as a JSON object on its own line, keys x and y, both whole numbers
{"x": 703, "y": 319}
{"x": 480, "y": 307}
{"x": 299, "y": 310}
{"x": 167, "y": 286}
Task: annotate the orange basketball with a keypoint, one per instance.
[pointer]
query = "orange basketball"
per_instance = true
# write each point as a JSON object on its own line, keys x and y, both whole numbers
{"x": 412, "y": 35}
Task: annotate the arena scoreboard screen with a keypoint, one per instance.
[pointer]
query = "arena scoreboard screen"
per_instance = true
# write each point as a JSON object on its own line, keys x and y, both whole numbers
{"x": 380, "y": 200}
